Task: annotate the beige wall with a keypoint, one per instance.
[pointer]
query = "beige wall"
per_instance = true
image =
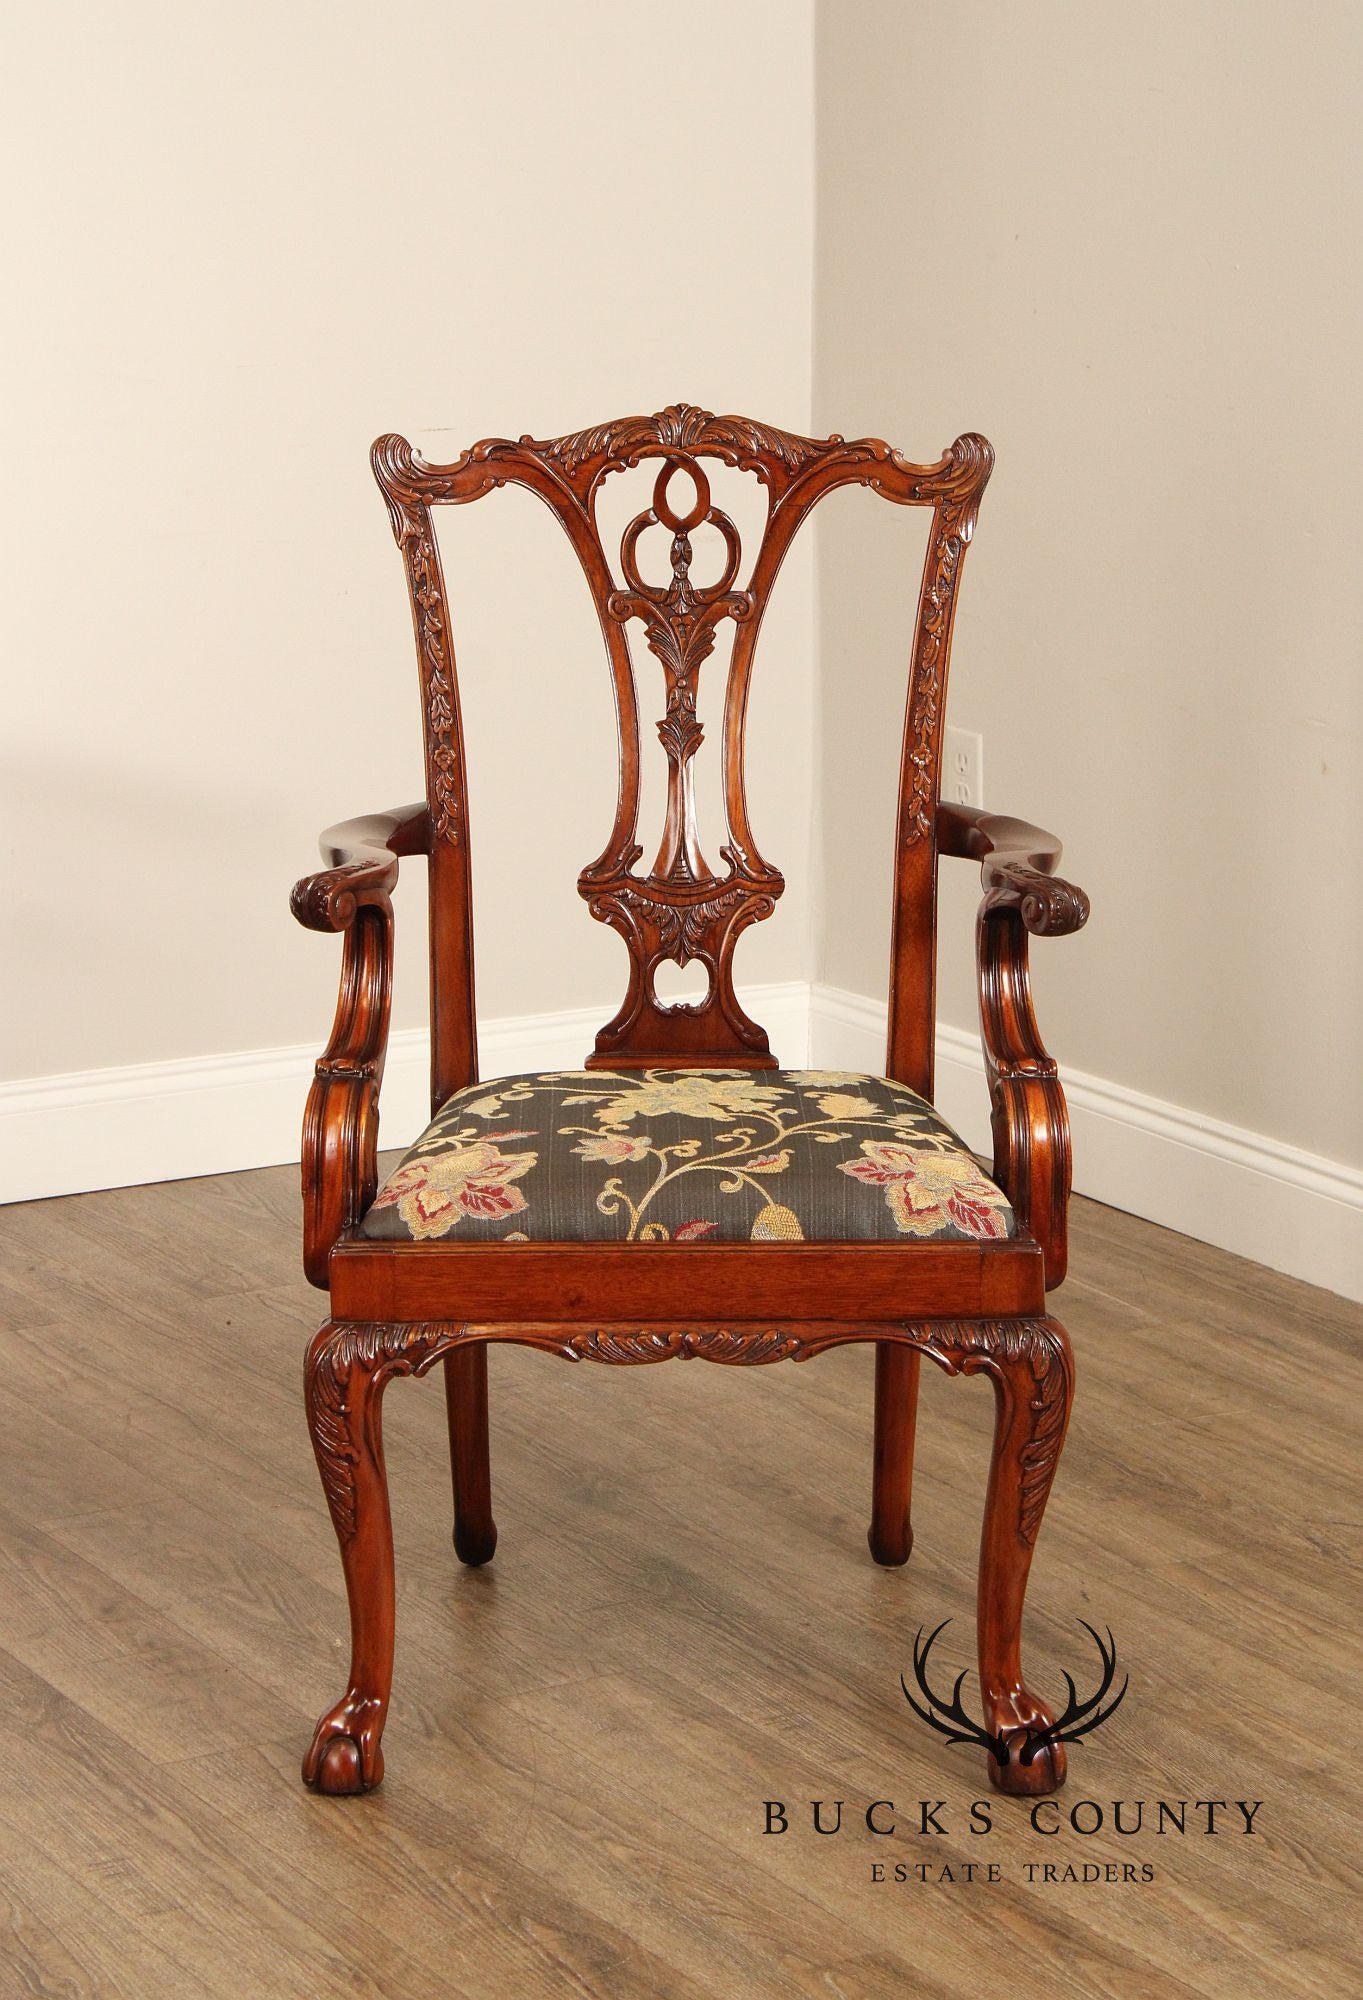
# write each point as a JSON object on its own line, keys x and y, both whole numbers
{"x": 1120, "y": 241}
{"x": 247, "y": 239}
{"x": 1123, "y": 242}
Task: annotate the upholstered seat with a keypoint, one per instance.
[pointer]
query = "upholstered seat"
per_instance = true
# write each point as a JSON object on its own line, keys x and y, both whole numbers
{"x": 659, "y": 1155}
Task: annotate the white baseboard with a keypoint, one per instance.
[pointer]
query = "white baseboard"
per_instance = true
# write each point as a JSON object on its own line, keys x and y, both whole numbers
{"x": 171, "y": 1121}
{"x": 1298, "y": 1212}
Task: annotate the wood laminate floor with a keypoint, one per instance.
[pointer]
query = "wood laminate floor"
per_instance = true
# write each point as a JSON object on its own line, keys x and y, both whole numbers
{"x": 681, "y": 1623}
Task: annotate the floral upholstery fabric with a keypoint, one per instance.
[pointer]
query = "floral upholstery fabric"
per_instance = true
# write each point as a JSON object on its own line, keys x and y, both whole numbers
{"x": 682, "y": 1156}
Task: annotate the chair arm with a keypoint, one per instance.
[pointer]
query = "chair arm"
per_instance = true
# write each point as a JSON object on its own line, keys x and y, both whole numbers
{"x": 1030, "y": 1123}
{"x": 341, "y": 1122}
{"x": 363, "y": 854}
{"x": 1017, "y": 861}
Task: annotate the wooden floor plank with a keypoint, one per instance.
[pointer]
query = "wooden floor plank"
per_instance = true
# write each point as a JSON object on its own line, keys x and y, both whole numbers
{"x": 680, "y": 1623}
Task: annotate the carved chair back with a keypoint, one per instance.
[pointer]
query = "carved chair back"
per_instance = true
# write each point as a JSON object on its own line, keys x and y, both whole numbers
{"x": 680, "y": 909}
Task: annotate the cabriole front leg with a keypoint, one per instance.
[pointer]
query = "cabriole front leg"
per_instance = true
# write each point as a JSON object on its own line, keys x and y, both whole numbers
{"x": 347, "y": 1369}
{"x": 1032, "y": 1370}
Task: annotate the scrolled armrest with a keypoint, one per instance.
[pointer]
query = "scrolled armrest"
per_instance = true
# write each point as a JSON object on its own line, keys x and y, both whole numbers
{"x": 363, "y": 854}
{"x": 341, "y": 1122}
{"x": 1017, "y": 863}
{"x": 1027, "y": 1105}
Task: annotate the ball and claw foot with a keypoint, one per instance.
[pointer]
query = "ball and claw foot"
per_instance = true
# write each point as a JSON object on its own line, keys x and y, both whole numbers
{"x": 476, "y": 1543}
{"x": 345, "y": 1755}
{"x": 1018, "y": 1722}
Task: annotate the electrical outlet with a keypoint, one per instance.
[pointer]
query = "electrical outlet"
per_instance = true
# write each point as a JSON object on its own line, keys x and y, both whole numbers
{"x": 963, "y": 768}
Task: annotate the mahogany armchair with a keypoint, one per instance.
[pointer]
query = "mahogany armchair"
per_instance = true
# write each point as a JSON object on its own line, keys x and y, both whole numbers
{"x": 681, "y": 1195}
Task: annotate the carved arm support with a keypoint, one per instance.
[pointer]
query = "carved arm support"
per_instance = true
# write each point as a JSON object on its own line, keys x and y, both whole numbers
{"x": 341, "y": 1124}
{"x": 1027, "y": 1105}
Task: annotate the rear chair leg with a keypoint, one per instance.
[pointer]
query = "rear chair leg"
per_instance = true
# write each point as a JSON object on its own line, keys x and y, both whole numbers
{"x": 475, "y": 1531}
{"x": 891, "y": 1532}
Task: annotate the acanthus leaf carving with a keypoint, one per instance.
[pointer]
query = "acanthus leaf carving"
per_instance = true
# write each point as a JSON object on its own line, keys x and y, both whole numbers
{"x": 380, "y": 1349}
{"x": 680, "y": 929}
{"x": 1028, "y": 1358}
{"x": 956, "y": 489}
{"x": 416, "y": 540}
{"x": 1050, "y": 906}
{"x": 685, "y": 427}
